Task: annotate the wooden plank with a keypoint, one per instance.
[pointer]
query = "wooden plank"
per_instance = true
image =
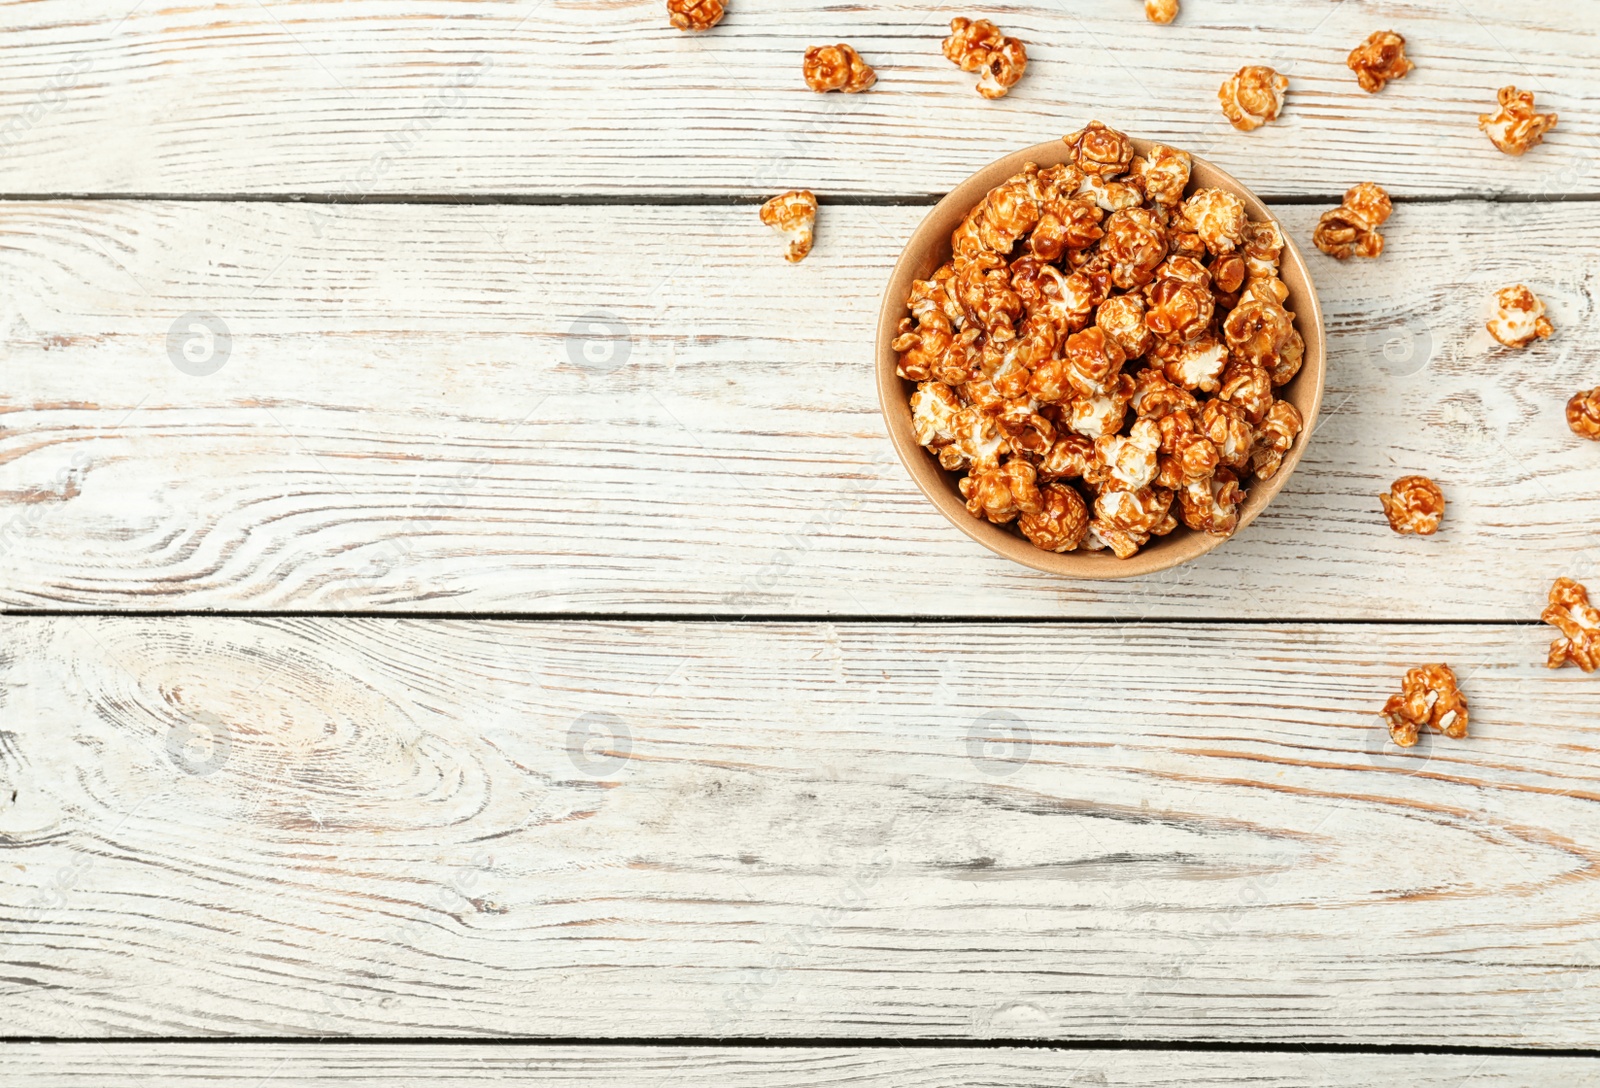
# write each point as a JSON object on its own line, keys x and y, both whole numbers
{"x": 123, "y": 1065}
{"x": 408, "y": 418}
{"x": 408, "y": 827}
{"x": 366, "y": 97}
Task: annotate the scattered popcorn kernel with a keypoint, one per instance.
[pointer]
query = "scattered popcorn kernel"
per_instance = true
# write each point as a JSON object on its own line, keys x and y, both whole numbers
{"x": 1062, "y": 522}
{"x": 695, "y": 14}
{"x": 1379, "y": 59}
{"x": 1352, "y": 228}
{"x": 1253, "y": 96}
{"x": 1161, "y": 11}
{"x": 976, "y": 45}
{"x": 1518, "y": 317}
{"x": 1583, "y": 413}
{"x": 1515, "y": 126}
{"x": 837, "y": 68}
{"x": 1429, "y": 698}
{"x": 793, "y": 215}
{"x": 1414, "y": 504}
{"x": 1579, "y": 623}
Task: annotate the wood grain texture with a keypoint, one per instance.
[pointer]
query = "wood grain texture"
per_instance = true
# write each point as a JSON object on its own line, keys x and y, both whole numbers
{"x": 367, "y": 97}
{"x": 407, "y": 827}
{"x": 124, "y": 1065}
{"x": 416, "y": 413}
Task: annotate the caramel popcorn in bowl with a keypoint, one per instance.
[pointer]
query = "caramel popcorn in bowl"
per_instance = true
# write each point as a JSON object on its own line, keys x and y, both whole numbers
{"x": 1579, "y": 623}
{"x": 1516, "y": 126}
{"x": 1429, "y": 697}
{"x": 1518, "y": 317}
{"x": 793, "y": 215}
{"x": 1379, "y": 59}
{"x": 1253, "y": 96}
{"x": 1414, "y": 504}
{"x": 1097, "y": 376}
{"x": 837, "y": 68}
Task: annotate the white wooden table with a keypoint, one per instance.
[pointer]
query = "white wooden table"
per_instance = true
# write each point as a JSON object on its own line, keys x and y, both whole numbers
{"x": 413, "y": 685}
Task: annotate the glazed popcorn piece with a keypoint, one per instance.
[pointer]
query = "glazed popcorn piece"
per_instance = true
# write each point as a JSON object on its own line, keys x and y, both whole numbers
{"x": 1429, "y": 697}
{"x": 1579, "y": 623}
{"x": 1352, "y": 227}
{"x": 976, "y": 45}
{"x": 1001, "y": 493}
{"x": 1518, "y": 317}
{"x": 1516, "y": 126}
{"x": 1583, "y": 414}
{"x": 1273, "y": 439}
{"x": 1077, "y": 292}
{"x": 1062, "y": 522}
{"x": 1253, "y": 96}
{"x": 695, "y": 14}
{"x": 837, "y": 68}
{"x": 793, "y": 215}
{"x": 1379, "y": 59}
{"x": 1100, "y": 150}
{"x": 1414, "y": 504}
{"x": 1161, "y": 11}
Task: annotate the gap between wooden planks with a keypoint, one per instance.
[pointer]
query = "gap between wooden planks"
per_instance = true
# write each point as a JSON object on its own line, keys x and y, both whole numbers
{"x": 512, "y": 410}
{"x": 118, "y": 1065}
{"x": 480, "y": 96}
{"x": 395, "y": 828}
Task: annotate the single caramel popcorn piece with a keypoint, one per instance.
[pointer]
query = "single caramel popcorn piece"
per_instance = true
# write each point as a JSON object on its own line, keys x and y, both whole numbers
{"x": 1379, "y": 59}
{"x": 1516, "y": 126}
{"x": 837, "y": 68}
{"x": 1100, "y": 150}
{"x": 1518, "y": 317}
{"x": 1583, "y": 413}
{"x": 1211, "y": 505}
{"x": 976, "y": 45}
{"x": 1274, "y": 438}
{"x": 1163, "y": 176}
{"x": 1579, "y": 623}
{"x": 695, "y": 14}
{"x": 1414, "y": 504}
{"x": 1126, "y": 520}
{"x": 793, "y": 215}
{"x": 1161, "y": 11}
{"x": 1062, "y": 522}
{"x": 1253, "y": 96}
{"x": 1218, "y": 217}
{"x": 1352, "y": 227}
{"x": 1001, "y": 493}
{"x": 1429, "y": 697}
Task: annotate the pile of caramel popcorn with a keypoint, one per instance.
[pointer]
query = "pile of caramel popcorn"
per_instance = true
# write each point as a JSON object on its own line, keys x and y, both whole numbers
{"x": 1099, "y": 357}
